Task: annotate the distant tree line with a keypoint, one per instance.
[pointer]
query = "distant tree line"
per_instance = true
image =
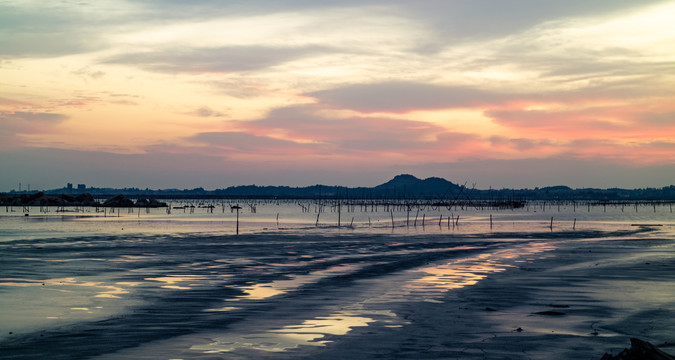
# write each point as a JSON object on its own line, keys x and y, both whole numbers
{"x": 400, "y": 187}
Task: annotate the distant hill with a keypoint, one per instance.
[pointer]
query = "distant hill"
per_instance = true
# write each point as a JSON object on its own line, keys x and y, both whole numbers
{"x": 404, "y": 186}
{"x": 409, "y": 186}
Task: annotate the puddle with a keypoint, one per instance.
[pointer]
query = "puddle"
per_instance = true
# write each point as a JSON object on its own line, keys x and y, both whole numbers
{"x": 312, "y": 332}
{"x": 69, "y": 300}
{"x": 65, "y": 285}
{"x": 70, "y": 260}
{"x": 132, "y": 258}
{"x": 459, "y": 274}
{"x": 184, "y": 282}
{"x": 431, "y": 283}
{"x": 468, "y": 271}
{"x": 226, "y": 308}
{"x": 278, "y": 287}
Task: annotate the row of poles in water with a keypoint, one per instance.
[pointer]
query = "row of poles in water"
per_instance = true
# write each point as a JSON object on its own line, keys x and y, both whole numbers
{"x": 388, "y": 206}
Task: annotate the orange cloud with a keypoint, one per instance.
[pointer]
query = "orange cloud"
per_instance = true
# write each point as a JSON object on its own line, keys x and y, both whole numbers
{"x": 15, "y": 124}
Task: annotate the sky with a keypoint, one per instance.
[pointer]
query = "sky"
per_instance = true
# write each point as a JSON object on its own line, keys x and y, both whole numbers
{"x": 184, "y": 94}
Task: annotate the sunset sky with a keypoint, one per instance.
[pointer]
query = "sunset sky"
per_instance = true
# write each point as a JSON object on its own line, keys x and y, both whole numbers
{"x": 184, "y": 94}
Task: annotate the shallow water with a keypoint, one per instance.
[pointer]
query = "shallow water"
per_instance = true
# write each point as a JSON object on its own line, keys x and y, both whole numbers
{"x": 183, "y": 285}
{"x": 258, "y": 216}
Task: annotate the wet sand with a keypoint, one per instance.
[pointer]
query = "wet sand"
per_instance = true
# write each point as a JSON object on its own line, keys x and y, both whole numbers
{"x": 557, "y": 295}
{"x": 587, "y": 298}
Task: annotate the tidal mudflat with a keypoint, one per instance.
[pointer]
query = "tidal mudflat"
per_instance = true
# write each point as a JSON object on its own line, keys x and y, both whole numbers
{"x": 170, "y": 286}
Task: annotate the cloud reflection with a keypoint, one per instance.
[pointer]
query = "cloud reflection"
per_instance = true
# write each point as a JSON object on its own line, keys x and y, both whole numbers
{"x": 311, "y": 332}
{"x": 466, "y": 272}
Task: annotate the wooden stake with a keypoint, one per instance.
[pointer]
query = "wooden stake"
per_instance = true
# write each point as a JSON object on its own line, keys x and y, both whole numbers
{"x": 236, "y": 207}
{"x": 339, "y": 214}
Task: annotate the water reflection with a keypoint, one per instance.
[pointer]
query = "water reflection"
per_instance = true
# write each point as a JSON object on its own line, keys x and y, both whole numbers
{"x": 336, "y": 324}
{"x": 65, "y": 284}
{"x": 278, "y": 287}
{"x": 225, "y": 308}
{"x": 468, "y": 271}
{"x": 312, "y": 332}
{"x": 178, "y": 282}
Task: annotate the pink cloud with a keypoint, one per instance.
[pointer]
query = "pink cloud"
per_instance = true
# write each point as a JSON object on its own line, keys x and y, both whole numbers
{"x": 344, "y": 134}
{"x": 13, "y": 124}
{"x": 402, "y": 97}
{"x": 305, "y": 133}
{"x": 246, "y": 143}
{"x": 638, "y": 154}
{"x": 28, "y": 122}
{"x": 624, "y": 120}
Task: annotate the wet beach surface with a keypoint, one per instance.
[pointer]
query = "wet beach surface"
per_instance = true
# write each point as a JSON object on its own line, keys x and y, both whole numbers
{"x": 330, "y": 294}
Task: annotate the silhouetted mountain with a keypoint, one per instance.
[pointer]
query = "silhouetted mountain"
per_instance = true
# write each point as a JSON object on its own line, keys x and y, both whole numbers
{"x": 400, "y": 180}
{"x": 410, "y": 186}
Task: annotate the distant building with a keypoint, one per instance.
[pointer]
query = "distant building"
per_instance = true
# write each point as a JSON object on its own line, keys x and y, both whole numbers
{"x": 69, "y": 187}
{"x": 81, "y": 187}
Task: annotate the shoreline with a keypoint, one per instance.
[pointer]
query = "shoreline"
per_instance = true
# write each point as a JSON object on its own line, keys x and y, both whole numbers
{"x": 408, "y": 296}
{"x": 562, "y": 307}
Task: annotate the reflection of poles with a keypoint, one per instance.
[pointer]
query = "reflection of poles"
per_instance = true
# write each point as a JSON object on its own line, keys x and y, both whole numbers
{"x": 236, "y": 207}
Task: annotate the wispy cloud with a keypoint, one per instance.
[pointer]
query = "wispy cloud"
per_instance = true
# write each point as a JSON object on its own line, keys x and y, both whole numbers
{"x": 308, "y": 124}
{"x": 206, "y": 111}
{"x": 325, "y": 84}
{"x": 29, "y": 120}
{"x": 13, "y": 125}
{"x": 241, "y": 142}
{"x": 38, "y": 29}
{"x": 407, "y": 96}
{"x": 219, "y": 59}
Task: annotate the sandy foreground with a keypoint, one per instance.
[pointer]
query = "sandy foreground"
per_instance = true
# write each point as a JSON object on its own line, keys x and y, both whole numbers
{"x": 578, "y": 301}
{"x": 591, "y": 296}
{"x": 585, "y": 298}
{"x": 556, "y": 296}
